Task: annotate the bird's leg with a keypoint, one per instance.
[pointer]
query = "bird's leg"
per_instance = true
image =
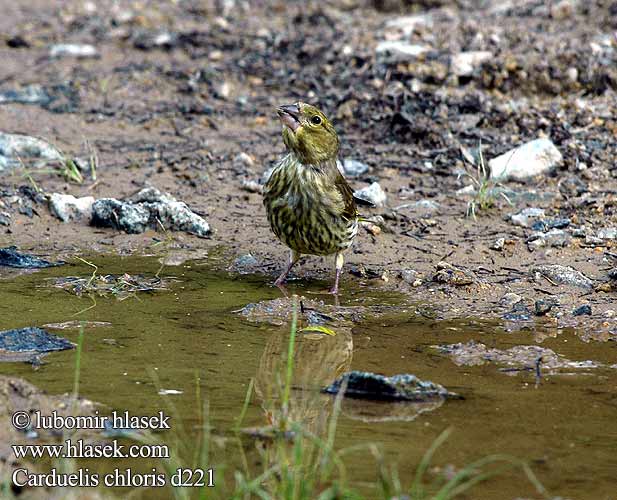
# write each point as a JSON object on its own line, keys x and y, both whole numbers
{"x": 340, "y": 260}
{"x": 293, "y": 258}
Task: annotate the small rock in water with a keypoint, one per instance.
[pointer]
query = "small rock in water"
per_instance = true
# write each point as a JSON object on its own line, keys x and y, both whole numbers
{"x": 563, "y": 275}
{"x": 527, "y": 216}
{"x": 10, "y": 257}
{"x": 373, "y": 194}
{"x": 397, "y": 51}
{"x": 245, "y": 264}
{"x": 584, "y": 310}
{"x": 109, "y": 212}
{"x": 528, "y": 160}
{"x": 352, "y": 168}
{"x": 464, "y": 63}
{"x": 66, "y": 207}
{"x": 403, "y": 27}
{"x": 32, "y": 339}
{"x": 149, "y": 208}
{"x": 15, "y": 148}
{"x": 73, "y": 50}
{"x": 403, "y": 387}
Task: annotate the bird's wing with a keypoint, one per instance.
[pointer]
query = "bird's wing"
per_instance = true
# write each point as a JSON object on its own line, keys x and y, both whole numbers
{"x": 349, "y": 211}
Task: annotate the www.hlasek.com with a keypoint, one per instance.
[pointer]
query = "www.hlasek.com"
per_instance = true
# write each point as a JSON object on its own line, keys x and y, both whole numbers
{"x": 77, "y": 449}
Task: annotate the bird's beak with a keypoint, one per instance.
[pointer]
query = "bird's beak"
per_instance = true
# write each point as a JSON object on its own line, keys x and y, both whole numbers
{"x": 289, "y": 115}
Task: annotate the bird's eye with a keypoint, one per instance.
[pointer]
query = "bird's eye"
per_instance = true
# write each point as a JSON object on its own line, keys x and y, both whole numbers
{"x": 316, "y": 120}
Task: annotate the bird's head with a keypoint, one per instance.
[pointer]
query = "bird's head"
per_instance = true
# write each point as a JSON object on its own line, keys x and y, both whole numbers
{"x": 308, "y": 133}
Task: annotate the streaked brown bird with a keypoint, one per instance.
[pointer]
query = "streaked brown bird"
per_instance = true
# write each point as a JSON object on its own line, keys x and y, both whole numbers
{"x": 310, "y": 206}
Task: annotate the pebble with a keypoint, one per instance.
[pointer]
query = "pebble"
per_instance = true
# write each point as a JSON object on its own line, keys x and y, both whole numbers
{"x": 584, "y": 310}
{"x": 398, "y": 51}
{"x": 498, "y": 244}
{"x": 509, "y": 299}
{"x": 464, "y": 63}
{"x": 66, "y": 207}
{"x": 31, "y": 150}
{"x": 73, "y": 50}
{"x": 554, "y": 238}
{"x": 530, "y": 159}
{"x": 527, "y": 216}
{"x": 543, "y": 307}
{"x": 352, "y": 168}
{"x": 374, "y": 194}
{"x": 563, "y": 275}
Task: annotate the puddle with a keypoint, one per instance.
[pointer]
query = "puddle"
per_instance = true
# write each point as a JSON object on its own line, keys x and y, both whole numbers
{"x": 185, "y": 343}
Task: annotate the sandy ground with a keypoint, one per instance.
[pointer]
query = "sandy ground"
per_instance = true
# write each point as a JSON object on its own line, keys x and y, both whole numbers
{"x": 181, "y": 92}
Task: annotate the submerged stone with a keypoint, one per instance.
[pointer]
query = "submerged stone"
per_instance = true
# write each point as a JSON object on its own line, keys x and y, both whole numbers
{"x": 10, "y": 257}
{"x": 32, "y": 339}
{"x": 404, "y": 387}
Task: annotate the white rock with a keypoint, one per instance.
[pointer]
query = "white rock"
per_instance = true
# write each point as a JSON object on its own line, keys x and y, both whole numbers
{"x": 400, "y": 51}
{"x": 609, "y": 233}
{"x": 73, "y": 50}
{"x": 15, "y": 148}
{"x": 403, "y": 27}
{"x": 464, "y": 63}
{"x": 527, "y": 216}
{"x": 352, "y": 168}
{"x": 373, "y": 194}
{"x": 528, "y": 160}
{"x": 66, "y": 207}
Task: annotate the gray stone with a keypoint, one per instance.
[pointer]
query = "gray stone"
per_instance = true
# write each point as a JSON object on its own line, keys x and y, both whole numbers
{"x": 584, "y": 310}
{"x": 464, "y": 63}
{"x": 543, "y": 307}
{"x": 607, "y": 233}
{"x": 402, "y": 27}
{"x": 149, "y": 208}
{"x": 498, "y": 244}
{"x": 31, "y": 150}
{"x": 352, "y": 168}
{"x": 33, "y": 340}
{"x": 404, "y": 387}
{"x": 10, "y": 257}
{"x": 398, "y": 51}
{"x": 127, "y": 217}
{"x": 530, "y": 159}
{"x": 66, "y": 207}
{"x": 554, "y": 238}
{"x": 251, "y": 186}
{"x": 510, "y": 298}
{"x": 527, "y": 216}
{"x": 373, "y": 194}
{"x": 565, "y": 275}
{"x": 245, "y": 264}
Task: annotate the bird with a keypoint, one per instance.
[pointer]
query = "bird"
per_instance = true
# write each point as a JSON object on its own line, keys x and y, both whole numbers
{"x": 309, "y": 204}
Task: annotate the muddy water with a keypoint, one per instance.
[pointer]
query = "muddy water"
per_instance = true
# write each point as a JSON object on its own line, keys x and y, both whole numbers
{"x": 188, "y": 339}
